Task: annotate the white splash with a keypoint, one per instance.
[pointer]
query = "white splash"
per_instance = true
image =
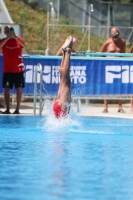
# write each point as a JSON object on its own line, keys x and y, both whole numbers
{"x": 52, "y": 124}
{"x": 61, "y": 124}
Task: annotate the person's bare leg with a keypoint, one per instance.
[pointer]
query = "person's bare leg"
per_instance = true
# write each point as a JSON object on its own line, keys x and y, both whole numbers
{"x": 62, "y": 61}
{"x": 105, "y": 106}
{"x": 18, "y": 97}
{"x": 120, "y": 104}
{"x": 66, "y": 65}
{"x": 7, "y": 98}
{"x": 61, "y": 66}
{"x": 1, "y": 106}
{"x": 64, "y": 95}
{"x": 131, "y": 101}
{"x": 66, "y": 83}
{"x": 120, "y": 107}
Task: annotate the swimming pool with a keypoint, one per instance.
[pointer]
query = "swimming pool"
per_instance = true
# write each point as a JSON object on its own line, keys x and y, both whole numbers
{"x": 77, "y": 158}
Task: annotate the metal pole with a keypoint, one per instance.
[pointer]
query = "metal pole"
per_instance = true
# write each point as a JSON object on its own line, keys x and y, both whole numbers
{"x": 89, "y": 25}
{"x": 38, "y": 66}
{"x": 58, "y": 8}
{"x": 47, "y": 49}
{"x": 89, "y": 30}
{"x": 79, "y": 105}
{"x": 84, "y": 14}
{"x": 40, "y": 110}
{"x": 108, "y": 29}
{"x": 50, "y": 13}
{"x": 35, "y": 92}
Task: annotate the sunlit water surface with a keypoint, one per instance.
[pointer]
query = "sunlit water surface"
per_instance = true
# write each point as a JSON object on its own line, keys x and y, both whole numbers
{"x": 43, "y": 158}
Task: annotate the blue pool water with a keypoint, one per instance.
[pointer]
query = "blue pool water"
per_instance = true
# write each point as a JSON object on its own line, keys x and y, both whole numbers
{"x": 73, "y": 159}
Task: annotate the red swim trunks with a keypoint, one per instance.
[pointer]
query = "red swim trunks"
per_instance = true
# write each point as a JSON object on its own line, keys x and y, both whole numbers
{"x": 58, "y": 110}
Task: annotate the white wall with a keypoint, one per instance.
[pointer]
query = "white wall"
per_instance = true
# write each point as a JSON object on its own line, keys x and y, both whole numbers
{"x": 4, "y": 14}
{"x": 18, "y": 28}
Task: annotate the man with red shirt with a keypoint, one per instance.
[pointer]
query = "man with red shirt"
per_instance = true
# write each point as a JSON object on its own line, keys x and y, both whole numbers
{"x": 1, "y": 106}
{"x": 13, "y": 66}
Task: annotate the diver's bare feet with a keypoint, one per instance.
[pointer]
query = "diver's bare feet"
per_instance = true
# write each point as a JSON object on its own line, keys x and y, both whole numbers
{"x": 68, "y": 43}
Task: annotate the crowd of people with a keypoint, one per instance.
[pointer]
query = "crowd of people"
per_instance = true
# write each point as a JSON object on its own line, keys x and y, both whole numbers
{"x": 13, "y": 75}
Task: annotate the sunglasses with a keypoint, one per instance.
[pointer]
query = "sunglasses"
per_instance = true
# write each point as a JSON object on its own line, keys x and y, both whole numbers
{"x": 114, "y": 33}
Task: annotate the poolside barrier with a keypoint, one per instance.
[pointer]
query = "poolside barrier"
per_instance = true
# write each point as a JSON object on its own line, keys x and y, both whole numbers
{"x": 38, "y": 67}
{"x": 94, "y": 75}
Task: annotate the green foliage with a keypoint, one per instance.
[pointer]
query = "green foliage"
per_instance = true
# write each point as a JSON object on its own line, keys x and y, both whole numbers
{"x": 34, "y": 21}
{"x": 121, "y": 1}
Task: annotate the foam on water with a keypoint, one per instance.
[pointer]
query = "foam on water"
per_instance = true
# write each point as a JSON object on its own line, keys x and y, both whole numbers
{"x": 86, "y": 125}
{"x": 78, "y": 124}
{"x": 51, "y": 123}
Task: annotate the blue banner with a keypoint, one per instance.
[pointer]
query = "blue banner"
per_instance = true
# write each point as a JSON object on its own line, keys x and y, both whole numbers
{"x": 89, "y": 76}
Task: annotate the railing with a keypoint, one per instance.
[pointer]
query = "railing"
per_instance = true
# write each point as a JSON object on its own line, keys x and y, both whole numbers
{"x": 38, "y": 67}
{"x": 103, "y": 54}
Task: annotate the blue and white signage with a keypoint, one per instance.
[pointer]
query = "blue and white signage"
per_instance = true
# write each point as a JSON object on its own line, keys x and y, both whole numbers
{"x": 88, "y": 76}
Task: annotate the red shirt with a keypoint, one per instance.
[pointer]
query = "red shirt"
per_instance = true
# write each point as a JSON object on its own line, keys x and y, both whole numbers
{"x": 11, "y": 52}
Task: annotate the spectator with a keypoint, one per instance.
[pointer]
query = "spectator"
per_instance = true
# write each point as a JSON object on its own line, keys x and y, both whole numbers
{"x": 1, "y": 106}
{"x": 131, "y": 104}
{"x": 114, "y": 45}
{"x": 60, "y": 52}
{"x": 13, "y": 66}
{"x": 131, "y": 51}
{"x": 0, "y": 33}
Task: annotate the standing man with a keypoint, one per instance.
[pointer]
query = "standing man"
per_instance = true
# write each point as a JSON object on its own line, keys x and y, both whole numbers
{"x": 0, "y": 33}
{"x": 1, "y": 106}
{"x": 131, "y": 51}
{"x": 13, "y": 66}
{"x": 114, "y": 45}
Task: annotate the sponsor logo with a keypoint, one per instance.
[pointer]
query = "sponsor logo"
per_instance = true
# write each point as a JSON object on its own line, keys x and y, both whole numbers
{"x": 51, "y": 74}
{"x": 21, "y": 67}
{"x": 125, "y": 73}
{"x": 78, "y": 74}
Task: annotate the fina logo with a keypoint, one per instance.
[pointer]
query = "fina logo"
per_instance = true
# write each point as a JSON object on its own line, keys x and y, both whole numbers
{"x": 125, "y": 73}
{"x": 52, "y": 75}
{"x": 30, "y": 74}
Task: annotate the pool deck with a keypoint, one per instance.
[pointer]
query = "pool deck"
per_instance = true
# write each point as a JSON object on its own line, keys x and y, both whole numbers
{"x": 86, "y": 110}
